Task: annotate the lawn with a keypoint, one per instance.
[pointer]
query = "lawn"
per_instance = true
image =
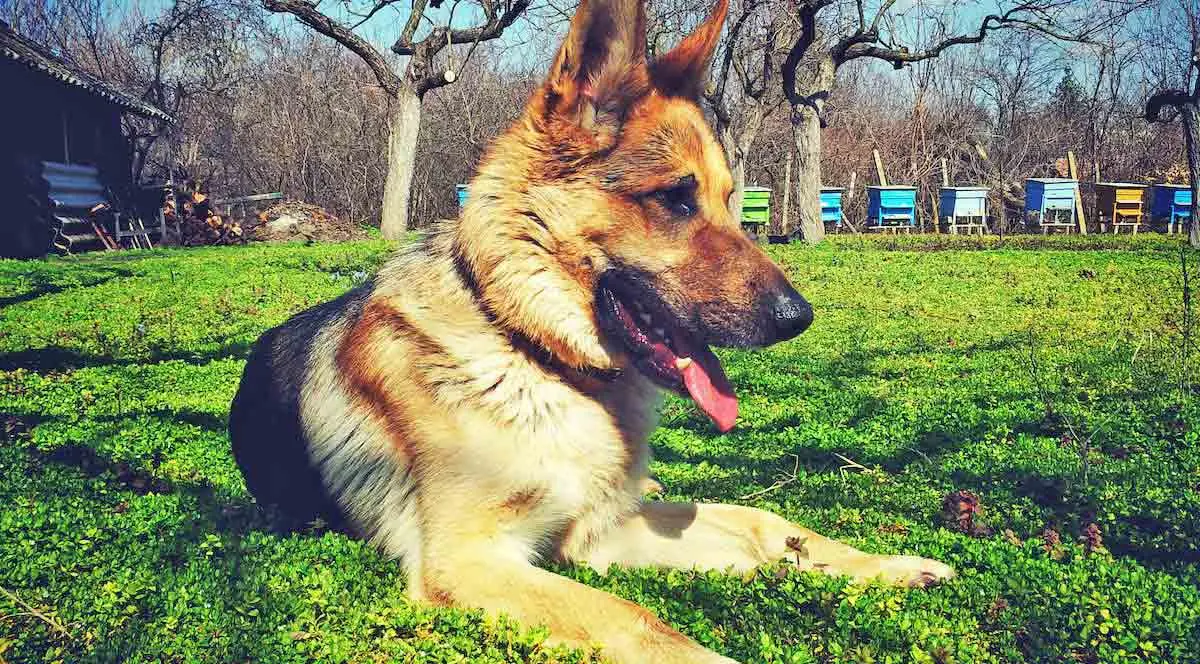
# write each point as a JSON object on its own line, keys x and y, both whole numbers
{"x": 1049, "y": 378}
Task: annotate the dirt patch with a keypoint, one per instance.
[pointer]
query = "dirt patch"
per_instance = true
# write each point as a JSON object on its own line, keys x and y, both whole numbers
{"x": 294, "y": 221}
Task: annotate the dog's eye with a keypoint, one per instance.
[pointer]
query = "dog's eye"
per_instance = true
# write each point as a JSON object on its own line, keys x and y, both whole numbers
{"x": 680, "y": 200}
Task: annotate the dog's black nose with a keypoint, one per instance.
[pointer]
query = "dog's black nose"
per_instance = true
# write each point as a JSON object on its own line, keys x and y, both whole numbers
{"x": 793, "y": 314}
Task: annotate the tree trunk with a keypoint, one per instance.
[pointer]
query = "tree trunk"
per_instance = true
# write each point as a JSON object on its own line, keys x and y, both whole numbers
{"x": 806, "y": 134}
{"x": 738, "y": 171}
{"x": 1189, "y": 115}
{"x": 737, "y": 166}
{"x": 737, "y": 146}
{"x": 404, "y": 123}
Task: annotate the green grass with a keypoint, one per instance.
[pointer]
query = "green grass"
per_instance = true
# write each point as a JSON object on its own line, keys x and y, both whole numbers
{"x": 126, "y": 533}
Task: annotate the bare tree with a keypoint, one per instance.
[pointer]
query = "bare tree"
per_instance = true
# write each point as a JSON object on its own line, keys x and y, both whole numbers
{"x": 1014, "y": 80}
{"x": 1185, "y": 100}
{"x": 844, "y": 31}
{"x": 184, "y": 50}
{"x": 743, "y": 93}
{"x": 995, "y": 112}
{"x": 421, "y": 74}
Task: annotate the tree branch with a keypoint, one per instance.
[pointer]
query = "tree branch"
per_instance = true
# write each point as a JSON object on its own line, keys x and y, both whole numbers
{"x": 808, "y": 35}
{"x": 370, "y": 13}
{"x": 883, "y": 9}
{"x": 307, "y": 14}
{"x": 410, "y": 26}
{"x": 864, "y": 45}
{"x": 731, "y": 41}
{"x": 437, "y": 38}
{"x": 1159, "y": 100}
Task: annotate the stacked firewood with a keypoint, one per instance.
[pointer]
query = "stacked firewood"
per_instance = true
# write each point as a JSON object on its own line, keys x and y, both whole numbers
{"x": 190, "y": 213}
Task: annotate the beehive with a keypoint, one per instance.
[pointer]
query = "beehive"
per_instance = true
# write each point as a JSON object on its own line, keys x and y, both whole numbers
{"x": 831, "y": 205}
{"x": 1052, "y": 202}
{"x": 1119, "y": 204}
{"x": 1171, "y": 203}
{"x": 892, "y": 207}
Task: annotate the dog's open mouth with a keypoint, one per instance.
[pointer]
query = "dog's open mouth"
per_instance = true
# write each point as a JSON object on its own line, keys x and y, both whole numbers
{"x": 663, "y": 350}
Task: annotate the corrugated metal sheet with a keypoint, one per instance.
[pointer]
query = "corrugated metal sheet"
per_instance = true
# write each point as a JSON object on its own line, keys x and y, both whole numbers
{"x": 72, "y": 185}
{"x": 35, "y": 56}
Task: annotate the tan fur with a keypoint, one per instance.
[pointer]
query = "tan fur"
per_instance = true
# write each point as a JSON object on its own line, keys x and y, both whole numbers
{"x": 472, "y": 419}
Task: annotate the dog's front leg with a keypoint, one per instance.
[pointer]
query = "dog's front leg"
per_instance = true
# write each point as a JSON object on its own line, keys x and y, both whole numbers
{"x": 576, "y": 615}
{"x": 720, "y": 537}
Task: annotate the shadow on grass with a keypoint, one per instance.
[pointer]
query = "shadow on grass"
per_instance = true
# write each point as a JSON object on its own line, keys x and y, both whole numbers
{"x": 89, "y": 276}
{"x": 1139, "y": 530}
{"x": 226, "y": 511}
{"x": 60, "y": 358}
{"x": 184, "y": 558}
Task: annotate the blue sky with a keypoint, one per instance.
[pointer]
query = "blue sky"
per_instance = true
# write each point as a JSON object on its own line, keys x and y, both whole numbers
{"x": 525, "y": 46}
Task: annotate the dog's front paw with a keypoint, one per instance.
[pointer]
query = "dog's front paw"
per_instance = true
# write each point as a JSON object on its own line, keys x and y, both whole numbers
{"x": 910, "y": 571}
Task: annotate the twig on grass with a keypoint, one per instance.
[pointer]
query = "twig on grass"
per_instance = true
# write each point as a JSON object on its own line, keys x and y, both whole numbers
{"x": 850, "y": 464}
{"x": 1138, "y": 348}
{"x": 1083, "y": 443}
{"x": 38, "y": 614}
{"x": 781, "y": 482}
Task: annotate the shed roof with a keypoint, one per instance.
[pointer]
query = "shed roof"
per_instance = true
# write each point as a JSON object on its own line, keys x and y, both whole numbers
{"x": 37, "y": 57}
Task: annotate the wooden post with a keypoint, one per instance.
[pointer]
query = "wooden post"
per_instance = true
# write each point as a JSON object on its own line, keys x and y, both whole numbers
{"x": 787, "y": 190}
{"x": 879, "y": 169}
{"x": 937, "y": 216}
{"x": 66, "y": 142}
{"x": 849, "y": 196}
{"x": 1074, "y": 173}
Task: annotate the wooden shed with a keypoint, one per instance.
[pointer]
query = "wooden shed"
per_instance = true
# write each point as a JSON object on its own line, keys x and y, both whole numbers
{"x": 59, "y": 119}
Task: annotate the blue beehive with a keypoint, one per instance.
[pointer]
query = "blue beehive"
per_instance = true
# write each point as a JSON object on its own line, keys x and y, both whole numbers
{"x": 831, "y": 205}
{"x": 1171, "y": 203}
{"x": 891, "y": 207}
{"x": 968, "y": 204}
{"x": 460, "y": 190}
{"x": 1052, "y": 200}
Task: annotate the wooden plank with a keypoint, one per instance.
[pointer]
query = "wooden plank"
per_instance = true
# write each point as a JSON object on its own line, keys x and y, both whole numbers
{"x": 882, "y": 177}
{"x": 1074, "y": 173}
{"x": 849, "y": 196}
{"x": 252, "y": 198}
{"x": 937, "y": 217}
{"x": 108, "y": 242}
{"x": 787, "y": 194}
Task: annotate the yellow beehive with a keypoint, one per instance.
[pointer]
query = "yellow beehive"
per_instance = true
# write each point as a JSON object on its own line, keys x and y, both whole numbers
{"x": 1120, "y": 204}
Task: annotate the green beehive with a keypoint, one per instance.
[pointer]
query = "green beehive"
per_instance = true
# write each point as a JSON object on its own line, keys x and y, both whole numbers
{"x": 756, "y": 205}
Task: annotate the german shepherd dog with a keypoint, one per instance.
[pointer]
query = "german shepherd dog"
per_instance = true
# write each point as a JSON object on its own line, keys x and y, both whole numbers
{"x": 483, "y": 403}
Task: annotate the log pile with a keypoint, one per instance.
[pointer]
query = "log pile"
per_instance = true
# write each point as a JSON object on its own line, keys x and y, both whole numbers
{"x": 190, "y": 212}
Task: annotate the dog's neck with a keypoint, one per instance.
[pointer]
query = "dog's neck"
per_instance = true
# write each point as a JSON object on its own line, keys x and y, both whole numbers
{"x": 587, "y": 379}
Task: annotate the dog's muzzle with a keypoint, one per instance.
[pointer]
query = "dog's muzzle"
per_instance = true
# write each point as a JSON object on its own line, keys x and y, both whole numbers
{"x": 792, "y": 314}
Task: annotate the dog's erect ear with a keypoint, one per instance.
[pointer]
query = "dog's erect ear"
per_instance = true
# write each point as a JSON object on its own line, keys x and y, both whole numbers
{"x": 684, "y": 71}
{"x": 600, "y": 69}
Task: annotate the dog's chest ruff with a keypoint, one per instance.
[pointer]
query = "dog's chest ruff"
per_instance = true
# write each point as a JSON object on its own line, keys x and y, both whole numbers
{"x": 552, "y": 455}
{"x": 450, "y": 407}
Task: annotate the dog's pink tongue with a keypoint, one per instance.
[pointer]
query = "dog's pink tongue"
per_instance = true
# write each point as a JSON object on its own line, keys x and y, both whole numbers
{"x": 705, "y": 381}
